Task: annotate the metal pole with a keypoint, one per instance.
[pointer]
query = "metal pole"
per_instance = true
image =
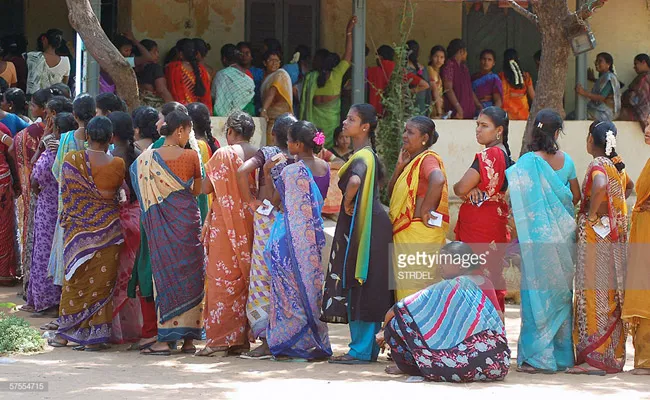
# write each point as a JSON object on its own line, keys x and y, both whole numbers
{"x": 91, "y": 67}
{"x": 359, "y": 53}
{"x": 581, "y": 78}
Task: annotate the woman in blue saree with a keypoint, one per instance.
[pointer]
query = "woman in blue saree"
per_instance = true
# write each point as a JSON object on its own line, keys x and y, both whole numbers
{"x": 293, "y": 254}
{"x": 605, "y": 97}
{"x": 543, "y": 191}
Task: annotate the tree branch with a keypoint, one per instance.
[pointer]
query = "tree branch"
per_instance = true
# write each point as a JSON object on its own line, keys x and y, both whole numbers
{"x": 84, "y": 21}
{"x": 589, "y": 7}
{"x": 521, "y": 10}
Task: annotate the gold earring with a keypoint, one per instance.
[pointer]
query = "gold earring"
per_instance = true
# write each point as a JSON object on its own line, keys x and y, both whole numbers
{"x": 498, "y": 137}
{"x": 424, "y": 143}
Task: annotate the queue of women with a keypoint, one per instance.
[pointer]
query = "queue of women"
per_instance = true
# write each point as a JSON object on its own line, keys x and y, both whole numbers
{"x": 141, "y": 229}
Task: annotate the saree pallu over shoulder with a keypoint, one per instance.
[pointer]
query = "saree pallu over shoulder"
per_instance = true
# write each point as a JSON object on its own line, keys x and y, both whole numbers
{"x": 545, "y": 218}
{"x": 403, "y": 201}
{"x": 599, "y": 332}
{"x": 91, "y": 222}
{"x": 281, "y": 81}
{"x": 171, "y": 220}
{"x": 357, "y": 274}
{"x": 293, "y": 254}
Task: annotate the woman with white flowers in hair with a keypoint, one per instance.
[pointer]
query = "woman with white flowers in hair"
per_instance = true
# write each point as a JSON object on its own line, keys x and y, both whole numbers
{"x": 605, "y": 97}
{"x": 598, "y": 330}
{"x": 518, "y": 90}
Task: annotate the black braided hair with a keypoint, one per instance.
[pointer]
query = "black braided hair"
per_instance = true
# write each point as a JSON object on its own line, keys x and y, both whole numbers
{"x": 201, "y": 121}
{"x": 16, "y": 97}
{"x": 123, "y": 129}
{"x": 187, "y": 49}
{"x": 83, "y": 107}
{"x": 145, "y": 119}
{"x": 59, "y": 104}
{"x": 426, "y": 126}
{"x": 304, "y": 132}
{"x": 513, "y": 72}
{"x": 547, "y": 122}
{"x": 598, "y": 131}
{"x": 368, "y": 115}
{"x": 242, "y": 124}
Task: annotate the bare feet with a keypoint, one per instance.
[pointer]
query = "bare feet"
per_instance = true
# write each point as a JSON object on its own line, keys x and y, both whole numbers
{"x": 394, "y": 370}
{"x": 640, "y": 371}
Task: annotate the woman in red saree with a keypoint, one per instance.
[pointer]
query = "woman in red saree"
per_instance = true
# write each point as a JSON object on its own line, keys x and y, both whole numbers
{"x": 9, "y": 185}
{"x": 25, "y": 146}
{"x": 483, "y": 217}
{"x": 188, "y": 81}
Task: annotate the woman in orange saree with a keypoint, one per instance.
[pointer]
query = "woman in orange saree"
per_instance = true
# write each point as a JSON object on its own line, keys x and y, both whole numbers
{"x": 636, "y": 310}
{"x": 188, "y": 81}
{"x": 228, "y": 240}
{"x": 598, "y": 330}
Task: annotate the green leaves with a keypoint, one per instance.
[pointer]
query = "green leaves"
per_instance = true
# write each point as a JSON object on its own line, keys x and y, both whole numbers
{"x": 17, "y": 336}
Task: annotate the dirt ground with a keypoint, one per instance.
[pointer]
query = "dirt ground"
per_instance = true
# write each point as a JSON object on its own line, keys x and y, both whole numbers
{"x": 119, "y": 374}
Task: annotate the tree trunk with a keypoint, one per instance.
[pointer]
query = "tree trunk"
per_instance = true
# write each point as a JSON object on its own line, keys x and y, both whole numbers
{"x": 554, "y": 18}
{"x": 83, "y": 20}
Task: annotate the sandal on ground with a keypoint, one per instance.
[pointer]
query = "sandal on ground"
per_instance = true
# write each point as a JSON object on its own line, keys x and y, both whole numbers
{"x": 347, "y": 359}
{"x": 50, "y": 326}
{"x": 27, "y": 308}
{"x": 210, "y": 352}
{"x": 257, "y": 354}
{"x": 137, "y": 346}
{"x": 148, "y": 351}
{"x": 99, "y": 347}
{"x": 578, "y": 370}
{"x": 529, "y": 369}
{"x": 640, "y": 371}
{"x": 55, "y": 343}
{"x": 188, "y": 350}
{"x": 239, "y": 350}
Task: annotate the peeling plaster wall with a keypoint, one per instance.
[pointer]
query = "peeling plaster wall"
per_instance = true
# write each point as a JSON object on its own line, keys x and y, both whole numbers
{"x": 216, "y": 21}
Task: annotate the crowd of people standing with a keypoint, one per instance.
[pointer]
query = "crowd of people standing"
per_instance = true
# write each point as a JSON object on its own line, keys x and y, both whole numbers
{"x": 142, "y": 228}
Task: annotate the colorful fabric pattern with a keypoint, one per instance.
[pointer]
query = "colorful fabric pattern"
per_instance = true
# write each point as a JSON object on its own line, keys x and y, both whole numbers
{"x": 42, "y": 293}
{"x": 181, "y": 83}
{"x": 608, "y": 86}
{"x": 228, "y": 243}
{"x": 8, "y": 256}
{"x": 515, "y": 100}
{"x": 545, "y": 218}
{"x": 486, "y": 86}
{"x": 232, "y": 90}
{"x": 427, "y": 341}
{"x": 598, "y": 330}
{"x": 171, "y": 220}
{"x": 293, "y": 256}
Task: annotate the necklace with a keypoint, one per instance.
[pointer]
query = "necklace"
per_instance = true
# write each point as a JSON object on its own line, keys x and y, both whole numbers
{"x": 170, "y": 145}
{"x": 97, "y": 151}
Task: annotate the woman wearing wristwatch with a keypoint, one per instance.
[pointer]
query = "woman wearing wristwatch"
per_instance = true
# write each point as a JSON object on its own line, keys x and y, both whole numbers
{"x": 598, "y": 329}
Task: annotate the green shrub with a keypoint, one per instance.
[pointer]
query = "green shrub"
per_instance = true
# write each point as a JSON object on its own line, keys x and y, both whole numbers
{"x": 17, "y": 336}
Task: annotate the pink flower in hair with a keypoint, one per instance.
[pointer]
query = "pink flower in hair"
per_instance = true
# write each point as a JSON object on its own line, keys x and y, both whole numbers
{"x": 319, "y": 138}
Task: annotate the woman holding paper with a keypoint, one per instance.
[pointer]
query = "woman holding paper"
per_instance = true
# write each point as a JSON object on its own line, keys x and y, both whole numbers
{"x": 483, "y": 217}
{"x": 419, "y": 209}
{"x": 598, "y": 330}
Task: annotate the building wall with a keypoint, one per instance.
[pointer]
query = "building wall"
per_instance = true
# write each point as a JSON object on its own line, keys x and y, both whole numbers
{"x": 216, "y": 21}
{"x": 41, "y": 15}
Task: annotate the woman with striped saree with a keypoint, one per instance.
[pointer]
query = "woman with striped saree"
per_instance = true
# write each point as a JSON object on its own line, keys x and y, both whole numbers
{"x": 419, "y": 208}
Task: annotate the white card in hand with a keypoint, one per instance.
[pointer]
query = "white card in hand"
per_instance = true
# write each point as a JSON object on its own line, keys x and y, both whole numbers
{"x": 265, "y": 208}
{"x": 435, "y": 219}
{"x": 602, "y": 228}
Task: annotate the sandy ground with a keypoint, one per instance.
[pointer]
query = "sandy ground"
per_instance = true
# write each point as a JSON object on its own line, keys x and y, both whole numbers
{"x": 118, "y": 374}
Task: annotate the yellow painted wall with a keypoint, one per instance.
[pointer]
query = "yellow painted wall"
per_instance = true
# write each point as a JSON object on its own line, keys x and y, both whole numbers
{"x": 216, "y": 21}
{"x": 41, "y": 15}
{"x": 435, "y": 23}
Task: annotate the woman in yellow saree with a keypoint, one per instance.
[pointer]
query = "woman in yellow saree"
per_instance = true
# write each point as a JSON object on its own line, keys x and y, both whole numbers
{"x": 419, "y": 208}
{"x": 636, "y": 310}
{"x": 598, "y": 330}
{"x": 277, "y": 92}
